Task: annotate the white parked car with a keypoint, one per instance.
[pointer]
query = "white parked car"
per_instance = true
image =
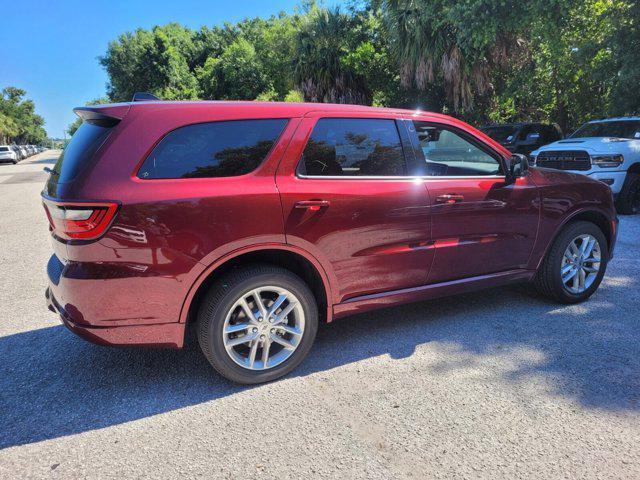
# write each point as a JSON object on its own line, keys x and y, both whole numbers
{"x": 7, "y": 154}
{"x": 17, "y": 151}
{"x": 607, "y": 150}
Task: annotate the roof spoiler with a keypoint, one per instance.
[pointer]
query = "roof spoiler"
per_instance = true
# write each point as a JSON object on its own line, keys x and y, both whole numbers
{"x": 103, "y": 115}
{"x": 108, "y": 115}
{"x": 143, "y": 97}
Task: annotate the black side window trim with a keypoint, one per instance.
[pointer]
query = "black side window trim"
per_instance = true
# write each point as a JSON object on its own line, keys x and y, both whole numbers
{"x": 287, "y": 121}
{"x": 419, "y": 167}
{"x": 300, "y": 170}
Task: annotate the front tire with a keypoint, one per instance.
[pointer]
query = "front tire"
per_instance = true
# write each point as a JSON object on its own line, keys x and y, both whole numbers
{"x": 257, "y": 323}
{"x": 628, "y": 202}
{"x": 575, "y": 265}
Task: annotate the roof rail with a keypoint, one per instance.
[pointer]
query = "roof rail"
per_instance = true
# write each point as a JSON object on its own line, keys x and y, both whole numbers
{"x": 143, "y": 97}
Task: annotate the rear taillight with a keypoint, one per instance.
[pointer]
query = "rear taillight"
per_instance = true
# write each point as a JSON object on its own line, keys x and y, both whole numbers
{"x": 79, "y": 220}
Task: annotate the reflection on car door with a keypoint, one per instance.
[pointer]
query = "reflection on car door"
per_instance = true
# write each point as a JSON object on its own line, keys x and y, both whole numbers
{"x": 480, "y": 225}
{"x": 347, "y": 200}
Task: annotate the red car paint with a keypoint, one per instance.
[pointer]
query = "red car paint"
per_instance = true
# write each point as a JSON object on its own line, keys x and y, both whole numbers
{"x": 373, "y": 242}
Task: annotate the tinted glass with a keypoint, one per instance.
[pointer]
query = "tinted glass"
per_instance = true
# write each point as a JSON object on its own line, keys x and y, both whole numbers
{"x": 353, "y": 147}
{"x": 79, "y": 151}
{"x": 504, "y": 133}
{"x": 528, "y": 130}
{"x": 618, "y": 129}
{"x": 4, "y": 149}
{"x": 216, "y": 149}
{"x": 446, "y": 153}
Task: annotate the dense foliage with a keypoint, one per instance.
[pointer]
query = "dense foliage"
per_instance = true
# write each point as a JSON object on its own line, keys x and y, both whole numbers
{"x": 19, "y": 122}
{"x": 564, "y": 61}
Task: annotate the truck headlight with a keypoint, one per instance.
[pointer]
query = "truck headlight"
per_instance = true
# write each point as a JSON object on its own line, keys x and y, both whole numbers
{"x": 532, "y": 160}
{"x": 607, "y": 161}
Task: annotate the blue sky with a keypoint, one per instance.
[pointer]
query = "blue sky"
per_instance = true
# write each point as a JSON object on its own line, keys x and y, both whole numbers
{"x": 50, "y": 49}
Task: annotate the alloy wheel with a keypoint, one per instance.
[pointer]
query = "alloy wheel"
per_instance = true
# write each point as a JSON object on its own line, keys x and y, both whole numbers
{"x": 263, "y": 328}
{"x": 580, "y": 263}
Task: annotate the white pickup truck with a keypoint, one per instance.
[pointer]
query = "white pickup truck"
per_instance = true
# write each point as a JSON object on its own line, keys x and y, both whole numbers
{"x": 607, "y": 150}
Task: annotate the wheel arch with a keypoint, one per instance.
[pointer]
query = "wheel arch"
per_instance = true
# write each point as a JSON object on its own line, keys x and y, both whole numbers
{"x": 634, "y": 168}
{"x": 292, "y": 258}
{"x": 590, "y": 215}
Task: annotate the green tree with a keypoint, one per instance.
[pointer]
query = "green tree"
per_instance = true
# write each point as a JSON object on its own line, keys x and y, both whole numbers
{"x": 241, "y": 73}
{"x": 8, "y": 128}
{"x": 457, "y": 45}
{"x": 624, "y": 41}
{"x": 249, "y": 60}
{"x": 73, "y": 126}
{"x": 567, "y": 70}
{"x": 156, "y": 61}
{"x": 565, "y": 61}
{"x": 18, "y": 119}
{"x": 275, "y": 46}
{"x": 320, "y": 72}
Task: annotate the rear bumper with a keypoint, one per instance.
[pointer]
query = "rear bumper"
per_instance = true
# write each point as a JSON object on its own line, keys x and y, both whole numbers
{"x": 169, "y": 335}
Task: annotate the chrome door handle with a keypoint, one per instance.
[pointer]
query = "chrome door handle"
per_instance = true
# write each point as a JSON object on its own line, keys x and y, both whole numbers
{"x": 449, "y": 198}
{"x": 313, "y": 205}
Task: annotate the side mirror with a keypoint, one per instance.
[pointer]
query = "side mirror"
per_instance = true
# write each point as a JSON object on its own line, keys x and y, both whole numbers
{"x": 517, "y": 166}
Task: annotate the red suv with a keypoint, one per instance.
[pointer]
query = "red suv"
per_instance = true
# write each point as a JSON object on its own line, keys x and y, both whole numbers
{"x": 251, "y": 222}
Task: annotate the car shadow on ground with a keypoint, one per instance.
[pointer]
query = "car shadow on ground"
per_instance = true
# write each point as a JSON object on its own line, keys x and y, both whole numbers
{"x": 44, "y": 161}
{"x": 49, "y": 161}
{"x": 53, "y": 384}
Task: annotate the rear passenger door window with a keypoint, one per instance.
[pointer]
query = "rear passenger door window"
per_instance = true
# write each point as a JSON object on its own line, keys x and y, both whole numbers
{"x": 214, "y": 149}
{"x": 353, "y": 147}
{"x": 445, "y": 152}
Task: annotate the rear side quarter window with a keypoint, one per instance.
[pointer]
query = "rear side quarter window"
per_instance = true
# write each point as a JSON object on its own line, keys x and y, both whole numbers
{"x": 213, "y": 149}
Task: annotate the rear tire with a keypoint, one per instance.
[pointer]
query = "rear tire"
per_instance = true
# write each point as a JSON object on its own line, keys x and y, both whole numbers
{"x": 567, "y": 277}
{"x": 628, "y": 202}
{"x": 285, "y": 329}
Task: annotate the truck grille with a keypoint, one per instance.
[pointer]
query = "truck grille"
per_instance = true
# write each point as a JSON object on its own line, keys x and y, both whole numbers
{"x": 564, "y": 160}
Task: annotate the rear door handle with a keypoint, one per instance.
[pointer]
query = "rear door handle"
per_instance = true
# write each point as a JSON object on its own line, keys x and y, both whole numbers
{"x": 313, "y": 205}
{"x": 449, "y": 198}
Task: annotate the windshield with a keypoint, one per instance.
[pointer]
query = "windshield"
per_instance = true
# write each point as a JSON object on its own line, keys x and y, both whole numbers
{"x": 619, "y": 129}
{"x": 502, "y": 134}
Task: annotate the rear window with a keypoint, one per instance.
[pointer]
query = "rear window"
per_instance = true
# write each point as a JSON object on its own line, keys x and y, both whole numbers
{"x": 4, "y": 149}
{"x": 503, "y": 133}
{"x": 80, "y": 150}
{"x": 215, "y": 149}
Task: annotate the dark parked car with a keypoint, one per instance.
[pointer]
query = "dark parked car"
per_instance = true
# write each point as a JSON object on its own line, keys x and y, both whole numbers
{"x": 251, "y": 222}
{"x": 523, "y": 137}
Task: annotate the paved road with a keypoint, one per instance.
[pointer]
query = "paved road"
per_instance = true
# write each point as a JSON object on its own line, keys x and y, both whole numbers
{"x": 497, "y": 384}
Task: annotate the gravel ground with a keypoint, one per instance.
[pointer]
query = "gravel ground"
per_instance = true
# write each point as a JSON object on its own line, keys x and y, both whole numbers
{"x": 487, "y": 385}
